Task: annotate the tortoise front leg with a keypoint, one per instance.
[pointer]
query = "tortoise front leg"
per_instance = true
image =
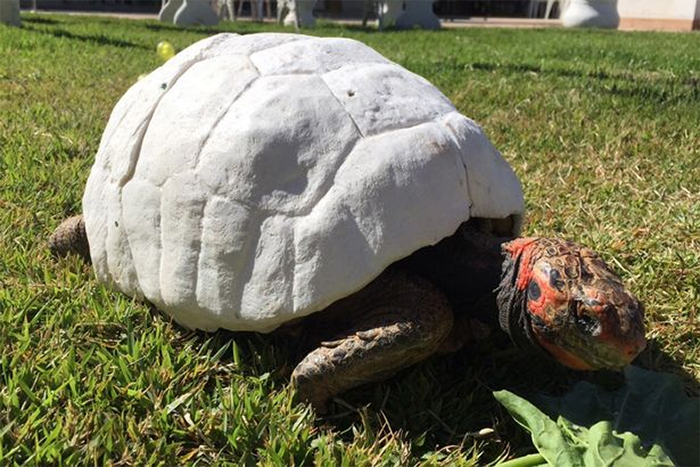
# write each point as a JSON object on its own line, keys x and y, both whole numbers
{"x": 396, "y": 321}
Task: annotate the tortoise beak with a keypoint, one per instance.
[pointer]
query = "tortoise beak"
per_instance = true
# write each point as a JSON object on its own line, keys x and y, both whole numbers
{"x": 617, "y": 339}
{"x": 622, "y": 325}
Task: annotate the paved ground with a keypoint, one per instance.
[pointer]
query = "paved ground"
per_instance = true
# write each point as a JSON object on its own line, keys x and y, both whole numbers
{"x": 501, "y": 23}
{"x": 457, "y": 23}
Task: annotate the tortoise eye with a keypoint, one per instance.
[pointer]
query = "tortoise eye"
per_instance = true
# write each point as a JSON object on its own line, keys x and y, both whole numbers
{"x": 533, "y": 291}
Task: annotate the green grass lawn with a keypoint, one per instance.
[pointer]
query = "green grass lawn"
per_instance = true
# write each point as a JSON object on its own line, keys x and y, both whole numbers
{"x": 603, "y": 129}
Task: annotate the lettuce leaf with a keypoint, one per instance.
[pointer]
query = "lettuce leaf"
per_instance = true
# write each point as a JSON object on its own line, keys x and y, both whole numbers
{"x": 649, "y": 421}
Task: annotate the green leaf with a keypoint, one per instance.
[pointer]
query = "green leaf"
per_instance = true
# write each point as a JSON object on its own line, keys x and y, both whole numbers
{"x": 647, "y": 422}
{"x": 651, "y": 405}
{"x": 549, "y": 439}
{"x": 564, "y": 444}
{"x": 605, "y": 447}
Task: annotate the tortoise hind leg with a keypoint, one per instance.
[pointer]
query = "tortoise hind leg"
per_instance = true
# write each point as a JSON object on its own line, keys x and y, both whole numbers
{"x": 396, "y": 321}
{"x": 70, "y": 238}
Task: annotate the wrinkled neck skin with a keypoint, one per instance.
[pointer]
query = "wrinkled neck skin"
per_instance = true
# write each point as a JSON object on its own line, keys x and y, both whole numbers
{"x": 466, "y": 267}
{"x": 479, "y": 277}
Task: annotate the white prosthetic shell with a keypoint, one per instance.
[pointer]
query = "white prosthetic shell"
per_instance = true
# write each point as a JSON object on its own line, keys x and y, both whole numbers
{"x": 252, "y": 180}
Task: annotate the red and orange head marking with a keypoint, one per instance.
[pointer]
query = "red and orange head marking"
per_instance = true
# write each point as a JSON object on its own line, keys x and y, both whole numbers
{"x": 578, "y": 309}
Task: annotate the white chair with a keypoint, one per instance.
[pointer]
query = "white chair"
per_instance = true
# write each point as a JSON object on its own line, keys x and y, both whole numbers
{"x": 535, "y": 6}
{"x": 563, "y": 5}
{"x": 227, "y": 10}
{"x": 168, "y": 10}
{"x": 256, "y": 9}
{"x": 296, "y": 13}
{"x": 195, "y": 12}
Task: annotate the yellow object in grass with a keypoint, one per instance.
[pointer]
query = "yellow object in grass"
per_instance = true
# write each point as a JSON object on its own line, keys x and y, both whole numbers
{"x": 165, "y": 50}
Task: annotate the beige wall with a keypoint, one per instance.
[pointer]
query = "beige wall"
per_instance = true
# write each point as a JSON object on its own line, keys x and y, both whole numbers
{"x": 658, "y": 9}
{"x": 675, "y": 15}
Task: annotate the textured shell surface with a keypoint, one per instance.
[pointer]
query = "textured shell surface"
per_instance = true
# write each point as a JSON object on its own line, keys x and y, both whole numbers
{"x": 255, "y": 179}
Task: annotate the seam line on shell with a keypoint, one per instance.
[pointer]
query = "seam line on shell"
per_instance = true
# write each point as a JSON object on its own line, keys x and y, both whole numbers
{"x": 198, "y": 266}
{"x": 460, "y": 160}
{"x": 223, "y": 114}
{"x": 108, "y": 162}
{"x": 303, "y": 38}
{"x": 160, "y": 243}
{"x": 342, "y": 106}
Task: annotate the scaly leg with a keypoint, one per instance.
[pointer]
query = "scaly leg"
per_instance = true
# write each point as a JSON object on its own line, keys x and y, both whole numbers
{"x": 394, "y": 322}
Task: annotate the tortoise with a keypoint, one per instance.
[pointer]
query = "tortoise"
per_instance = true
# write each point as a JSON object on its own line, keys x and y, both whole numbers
{"x": 272, "y": 180}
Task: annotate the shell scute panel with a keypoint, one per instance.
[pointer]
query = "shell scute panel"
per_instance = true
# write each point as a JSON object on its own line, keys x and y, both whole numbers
{"x": 313, "y": 56}
{"x": 268, "y": 292}
{"x": 279, "y": 145}
{"x": 368, "y": 219}
{"x": 182, "y": 212}
{"x": 383, "y": 97}
{"x": 141, "y": 213}
{"x": 494, "y": 189}
{"x": 194, "y": 109}
{"x": 227, "y": 237}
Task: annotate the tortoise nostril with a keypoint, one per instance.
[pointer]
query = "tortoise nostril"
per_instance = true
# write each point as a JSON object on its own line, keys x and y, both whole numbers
{"x": 588, "y": 324}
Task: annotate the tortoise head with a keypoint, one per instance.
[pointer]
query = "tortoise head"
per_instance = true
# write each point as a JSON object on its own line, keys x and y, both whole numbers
{"x": 567, "y": 301}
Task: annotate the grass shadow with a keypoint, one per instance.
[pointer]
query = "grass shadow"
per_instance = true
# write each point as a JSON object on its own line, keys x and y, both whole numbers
{"x": 172, "y": 28}
{"x": 625, "y": 84}
{"x": 100, "y": 40}
{"x": 39, "y": 20}
{"x": 446, "y": 400}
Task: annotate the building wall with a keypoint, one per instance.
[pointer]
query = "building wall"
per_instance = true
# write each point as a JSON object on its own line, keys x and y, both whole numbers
{"x": 670, "y": 15}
